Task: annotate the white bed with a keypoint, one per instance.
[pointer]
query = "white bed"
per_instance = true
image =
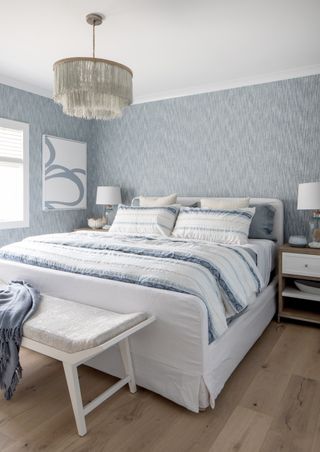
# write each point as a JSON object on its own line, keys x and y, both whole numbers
{"x": 171, "y": 357}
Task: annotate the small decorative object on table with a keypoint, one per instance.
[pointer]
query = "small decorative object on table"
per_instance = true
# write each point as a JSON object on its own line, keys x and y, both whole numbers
{"x": 108, "y": 196}
{"x": 97, "y": 223}
{"x": 298, "y": 241}
{"x": 309, "y": 199}
{"x": 308, "y": 286}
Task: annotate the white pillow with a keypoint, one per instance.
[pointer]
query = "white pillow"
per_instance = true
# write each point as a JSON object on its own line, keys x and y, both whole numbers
{"x": 144, "y": 220}
{"x": 225, "y": 203}
{"x": 157, "y": 201}
{"x": 214, "y": 225}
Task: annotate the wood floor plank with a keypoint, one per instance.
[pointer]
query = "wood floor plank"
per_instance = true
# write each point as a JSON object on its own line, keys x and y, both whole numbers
{"x": 5, "y": 441}
{"x": 316, "y": 439}
{"x": 294, "y": 425}
{"x": 146, "y": 426}
{"x": 244, "y": 431}
{"x": 57, "y": 431}
{"x": 265, "y": 391}
{"x": 28, "y": 405}
{"x": 288, "y": 350}
{"x": 308, "y": 363}
{"x": 31, "y": 406}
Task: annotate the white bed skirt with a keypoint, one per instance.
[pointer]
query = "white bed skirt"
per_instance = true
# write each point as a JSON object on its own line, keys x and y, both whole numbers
{"x": 200, "y": 389}
{"x": 172, "y": 356}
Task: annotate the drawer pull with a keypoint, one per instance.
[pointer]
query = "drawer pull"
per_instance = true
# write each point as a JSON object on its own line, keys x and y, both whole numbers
{"x": 306, "y": 265}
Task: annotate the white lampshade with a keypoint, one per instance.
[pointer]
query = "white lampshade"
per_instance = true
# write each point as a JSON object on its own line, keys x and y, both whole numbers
{"x": 309, "y": 196}
{"x": 108, "y": 196}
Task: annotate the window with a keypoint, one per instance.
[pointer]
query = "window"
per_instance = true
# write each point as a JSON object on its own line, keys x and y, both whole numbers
{"x": 14, "y": 174}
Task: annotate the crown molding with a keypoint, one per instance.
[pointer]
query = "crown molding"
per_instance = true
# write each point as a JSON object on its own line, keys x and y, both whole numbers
{"x": 231, "y": 84}
{"x": 190, "y": 91}
{"x": 25, "y": 86}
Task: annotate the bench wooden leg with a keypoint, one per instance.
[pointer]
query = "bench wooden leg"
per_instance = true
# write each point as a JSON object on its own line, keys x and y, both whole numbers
{"x": 127, "y": 362}
{"x": 72, "y": 377}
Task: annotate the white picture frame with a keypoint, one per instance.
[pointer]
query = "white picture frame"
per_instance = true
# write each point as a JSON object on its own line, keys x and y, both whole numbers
{"x": 64, "y": 174}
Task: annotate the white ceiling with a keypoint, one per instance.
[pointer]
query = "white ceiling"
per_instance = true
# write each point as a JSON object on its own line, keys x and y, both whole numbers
{"x": 174, "y": 47}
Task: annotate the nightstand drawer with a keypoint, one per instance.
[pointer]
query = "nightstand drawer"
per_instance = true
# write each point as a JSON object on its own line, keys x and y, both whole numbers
{"x": 300, "y": 264}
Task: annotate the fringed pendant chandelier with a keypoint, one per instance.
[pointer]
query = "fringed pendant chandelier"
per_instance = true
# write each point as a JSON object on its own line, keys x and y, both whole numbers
{"x": 92, "y": 88}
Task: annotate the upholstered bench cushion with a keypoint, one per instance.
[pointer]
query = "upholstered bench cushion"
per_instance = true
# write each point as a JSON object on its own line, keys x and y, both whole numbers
{"x": 72, "y": 327}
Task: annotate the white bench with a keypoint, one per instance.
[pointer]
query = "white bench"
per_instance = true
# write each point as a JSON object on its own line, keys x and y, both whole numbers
{"x": 74, "y": 333}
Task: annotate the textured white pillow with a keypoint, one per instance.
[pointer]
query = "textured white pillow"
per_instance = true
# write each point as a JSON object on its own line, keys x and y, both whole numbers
{"x": 157, "y": 201}
{"x": 144, "y": 220}
{"x": 225, "y": 203}
{"x": 214, "y": 225}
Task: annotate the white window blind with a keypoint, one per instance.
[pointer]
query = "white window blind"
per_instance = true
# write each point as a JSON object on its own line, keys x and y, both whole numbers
{"x": 13, "y": 174}
{"x": 11, "y": 145}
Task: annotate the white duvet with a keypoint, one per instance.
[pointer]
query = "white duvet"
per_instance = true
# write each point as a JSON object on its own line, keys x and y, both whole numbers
{"x": 224, "y": 278}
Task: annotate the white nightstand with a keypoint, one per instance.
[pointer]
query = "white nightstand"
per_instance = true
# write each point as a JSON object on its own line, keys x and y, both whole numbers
{"x": 304, "y": 264}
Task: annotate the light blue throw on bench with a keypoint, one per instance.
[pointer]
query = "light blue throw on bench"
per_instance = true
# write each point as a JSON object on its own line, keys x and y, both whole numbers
{"x": 17, "y": 302}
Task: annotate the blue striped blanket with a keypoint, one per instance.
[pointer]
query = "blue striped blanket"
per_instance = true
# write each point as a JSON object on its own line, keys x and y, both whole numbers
{"x": 223, "y": 277}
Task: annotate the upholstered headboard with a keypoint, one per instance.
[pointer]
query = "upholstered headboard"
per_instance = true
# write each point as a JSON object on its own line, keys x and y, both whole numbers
{"x": 276, "y": 203}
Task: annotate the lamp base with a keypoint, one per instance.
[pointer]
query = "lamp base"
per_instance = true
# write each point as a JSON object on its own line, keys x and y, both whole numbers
{"x": 314, "y": 245}
{"x": 109, "y": 209}
{"x": 314, "y": 230}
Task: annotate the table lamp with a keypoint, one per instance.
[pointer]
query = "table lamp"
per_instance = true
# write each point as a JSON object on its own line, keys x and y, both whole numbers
{"x": 309, "y": 199}
{"x": 108, "y": 196}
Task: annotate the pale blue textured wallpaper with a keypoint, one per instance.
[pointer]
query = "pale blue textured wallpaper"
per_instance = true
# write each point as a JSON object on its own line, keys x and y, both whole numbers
{"x": 258, "y": 141}
{"x": 44, "y": 117}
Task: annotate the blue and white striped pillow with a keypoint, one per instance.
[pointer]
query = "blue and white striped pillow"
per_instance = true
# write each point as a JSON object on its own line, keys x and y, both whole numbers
{"x": 144, "y": 220}
{"x": 214, "y": 225}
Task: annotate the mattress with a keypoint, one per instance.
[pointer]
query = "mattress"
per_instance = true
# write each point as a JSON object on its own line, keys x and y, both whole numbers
{"x": 265, "y": 252}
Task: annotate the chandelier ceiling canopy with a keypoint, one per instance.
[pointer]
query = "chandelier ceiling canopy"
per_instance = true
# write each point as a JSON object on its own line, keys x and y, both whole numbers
{"x": 90, "y": 87}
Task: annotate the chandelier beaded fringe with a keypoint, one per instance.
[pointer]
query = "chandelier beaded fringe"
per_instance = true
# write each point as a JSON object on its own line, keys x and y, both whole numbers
{"x": 92, "y": 88}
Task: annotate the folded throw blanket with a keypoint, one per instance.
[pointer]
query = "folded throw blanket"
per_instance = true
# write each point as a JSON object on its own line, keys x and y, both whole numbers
{"x": 18, "y": 301}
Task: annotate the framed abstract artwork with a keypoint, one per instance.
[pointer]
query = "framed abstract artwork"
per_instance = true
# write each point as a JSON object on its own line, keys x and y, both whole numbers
{"x": 64, "y": 174}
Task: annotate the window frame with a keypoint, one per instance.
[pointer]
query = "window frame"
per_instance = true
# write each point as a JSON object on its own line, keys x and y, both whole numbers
{"x": 24, "y": 223}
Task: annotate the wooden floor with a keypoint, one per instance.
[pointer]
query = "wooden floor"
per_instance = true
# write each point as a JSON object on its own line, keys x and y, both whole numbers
{"x": 270, "y": 404}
